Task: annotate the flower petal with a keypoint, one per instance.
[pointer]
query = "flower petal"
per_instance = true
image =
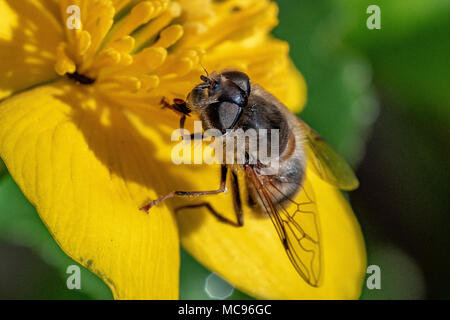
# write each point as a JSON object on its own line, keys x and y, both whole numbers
{"x": 253, "y": 258}
{"x": 29, "y": 34}
{"x": 87, "y": 170}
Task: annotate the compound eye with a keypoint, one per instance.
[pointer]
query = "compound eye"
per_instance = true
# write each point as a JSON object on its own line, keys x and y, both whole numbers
{"x": 228, "y": 113}
{"x": 240, "y": 79}
{"x": 214, "y": 86}
{"x": 223, "y": 115}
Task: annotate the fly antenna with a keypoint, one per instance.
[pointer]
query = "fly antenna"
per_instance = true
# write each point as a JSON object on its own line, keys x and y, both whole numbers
{"x": 205, "y": 79}
{"x": 206, "y": 71}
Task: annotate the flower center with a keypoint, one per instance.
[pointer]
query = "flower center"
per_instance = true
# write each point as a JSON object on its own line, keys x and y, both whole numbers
{"x": 122, "y": 46}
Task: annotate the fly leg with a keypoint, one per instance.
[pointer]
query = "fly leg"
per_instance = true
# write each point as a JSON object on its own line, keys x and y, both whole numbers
{"x": 236, "y": 201}
{"x": 180, "y": 107}
{"x": 223, "y": 180}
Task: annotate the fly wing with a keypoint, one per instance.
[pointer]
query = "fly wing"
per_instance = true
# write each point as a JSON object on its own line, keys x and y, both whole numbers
{"x": 326, "y": 163}
{"x": 297, "y": 224}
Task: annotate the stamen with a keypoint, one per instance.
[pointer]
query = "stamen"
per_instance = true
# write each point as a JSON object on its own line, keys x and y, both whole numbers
{"x": 169, "y": 36}
{"x": 84, "y": 42}
{"x": 128, "y": 56}
{"x": 154, "y": 27}
{"x": 148, "y": 60}
{"x": 139, "y": 15}
{"x": 149, "y": 82}
{"x": 125, "y": 44}
{"x": 64, "y": 64}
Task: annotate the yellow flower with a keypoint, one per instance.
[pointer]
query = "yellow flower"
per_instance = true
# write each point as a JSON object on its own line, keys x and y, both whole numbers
{"x": 89, "y": 154}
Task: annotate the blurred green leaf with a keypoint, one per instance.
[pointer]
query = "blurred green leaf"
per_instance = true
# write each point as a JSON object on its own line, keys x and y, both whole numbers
{"x": 20, "y": 224}
{"x": 400, "y": 276}
{"x": 2, "y": 168}
{"x": 24, "y": 275}
{"x": 403, "y": 199}
{"x": 341, "y": 102}
{"x": 409, "y": 53}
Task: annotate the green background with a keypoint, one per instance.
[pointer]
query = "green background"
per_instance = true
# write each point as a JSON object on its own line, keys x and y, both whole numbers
{"x": 380, "y": 97}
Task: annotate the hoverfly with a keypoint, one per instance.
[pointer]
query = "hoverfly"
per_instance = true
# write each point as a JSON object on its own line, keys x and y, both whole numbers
{"x": 228, "y": 101}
